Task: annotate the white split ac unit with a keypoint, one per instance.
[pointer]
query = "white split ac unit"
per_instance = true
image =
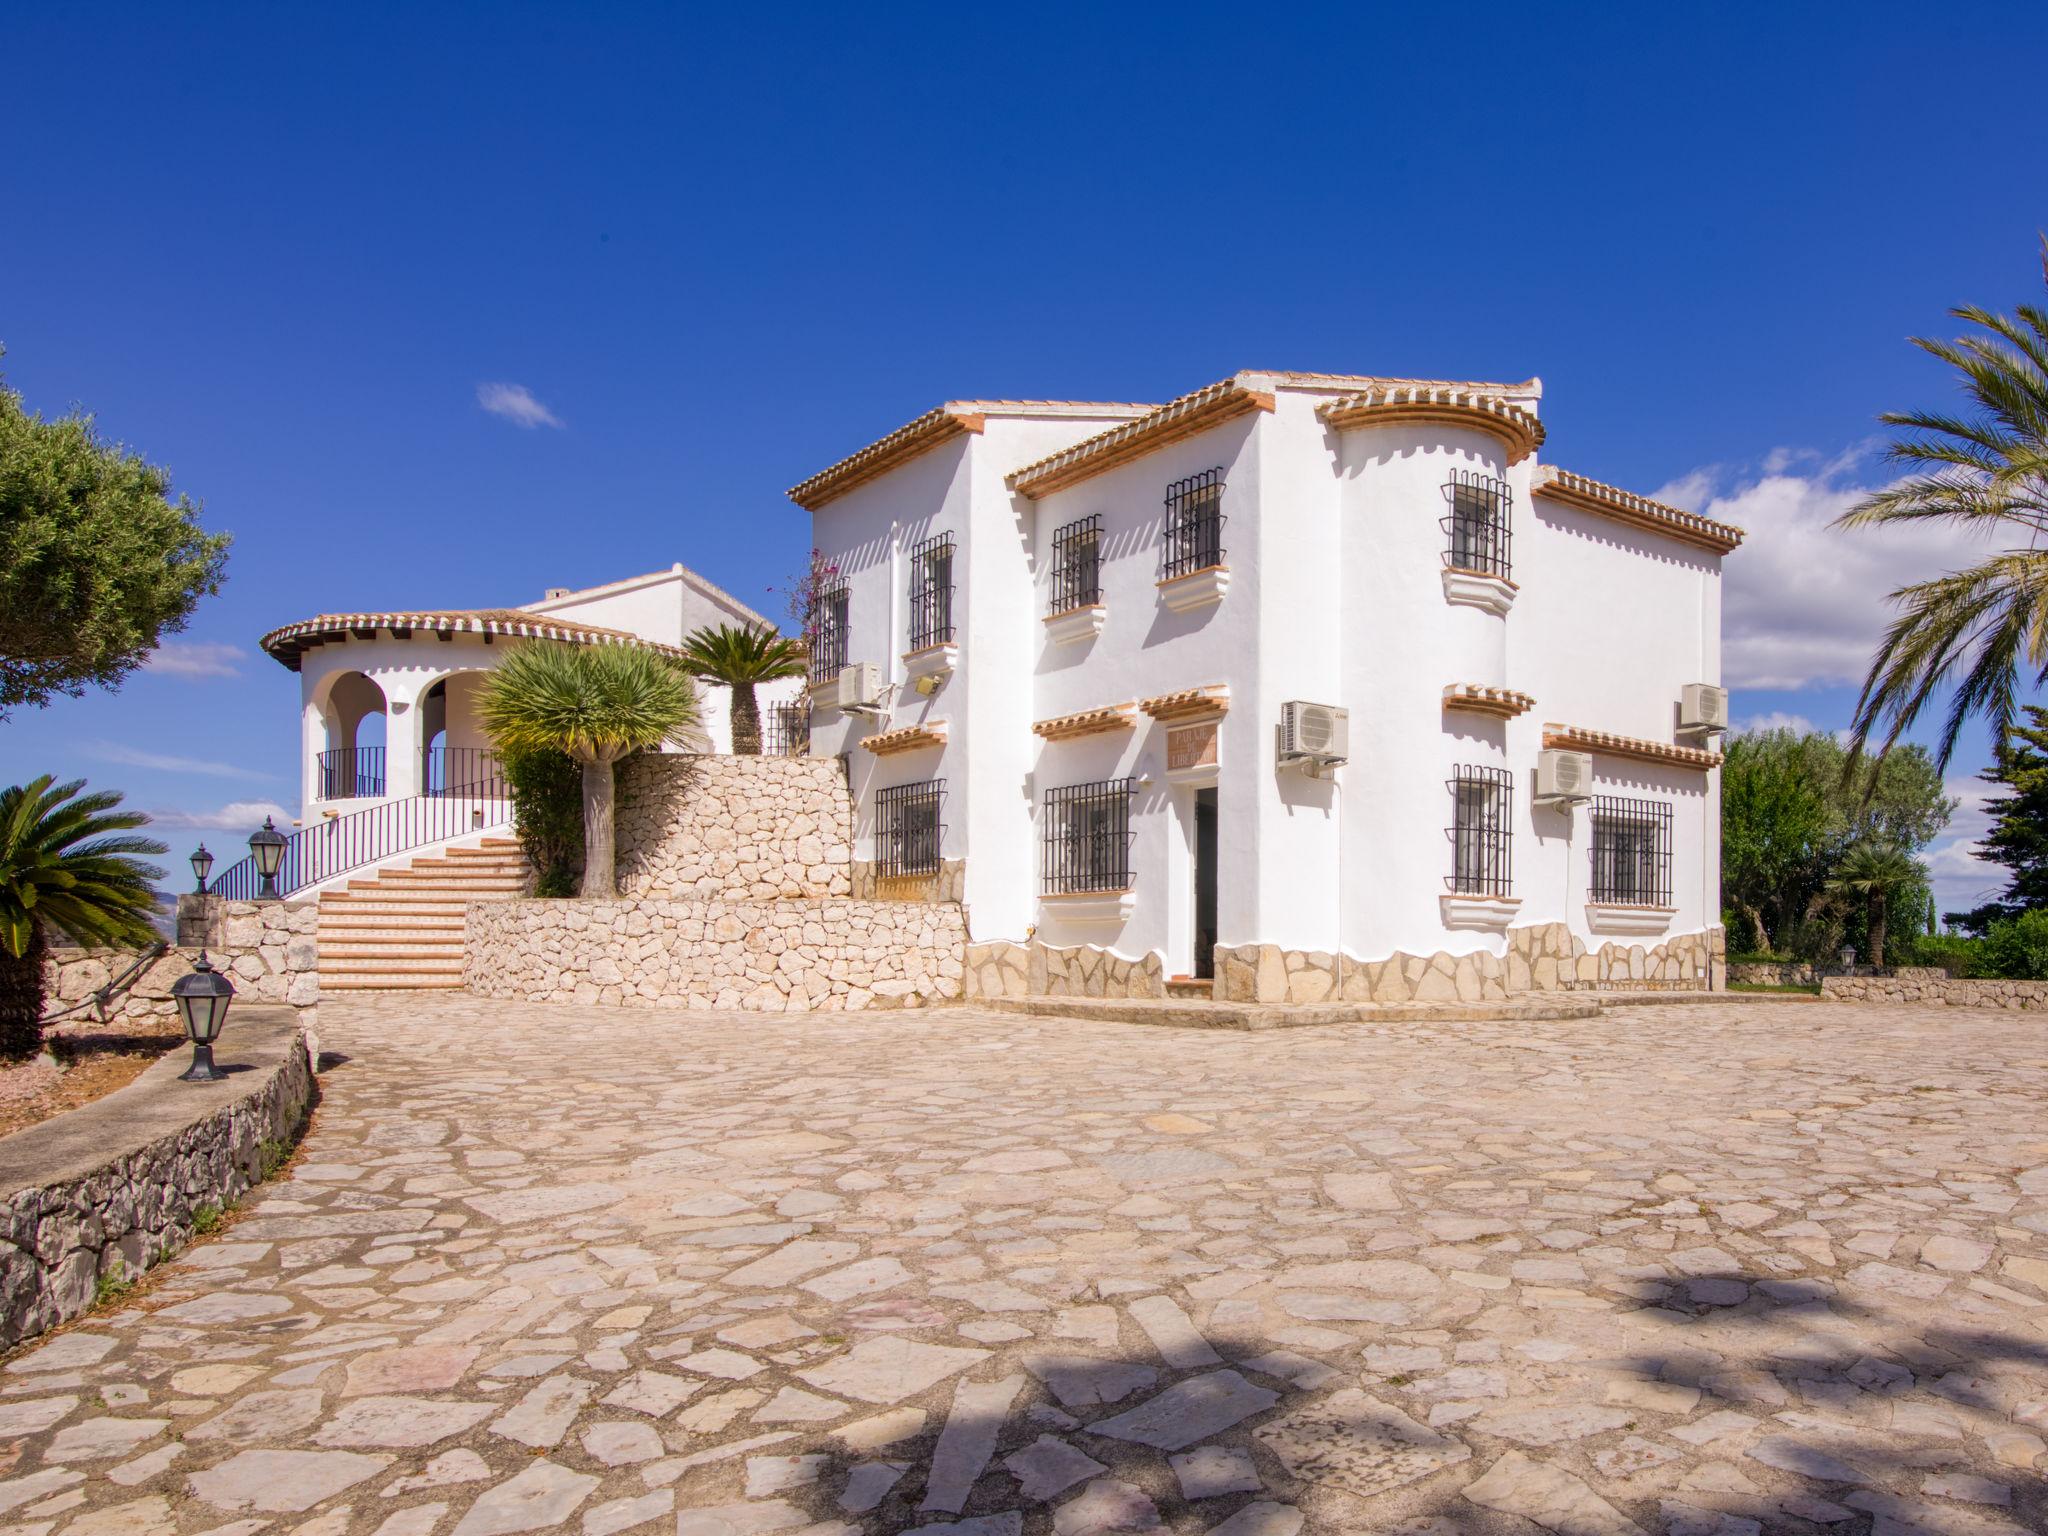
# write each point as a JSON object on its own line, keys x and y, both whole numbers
{"x": 1563, "y": 778}
{"x": 1317, "y": 735}
{"x": 857, "y": 689}
{"x": 1703, "y": 707}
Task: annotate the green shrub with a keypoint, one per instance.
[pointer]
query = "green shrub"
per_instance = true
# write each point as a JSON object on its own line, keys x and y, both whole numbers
{"x": 547, "y": 815}
{"x": 1961, "y": 957}
{"x": 2016, "y": 948}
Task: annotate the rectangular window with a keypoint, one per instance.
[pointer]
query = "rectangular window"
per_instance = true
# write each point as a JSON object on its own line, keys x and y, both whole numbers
{"x": 1482, "y": 842}
{"x": 828, "y": 634}
{"x": 1085, "y": 837}
{"x": 1194, "y": 524}
{"x": 931, "y": 592}
{"x": 785, "y": 731}
{"x": 908, "y": 831}
{"x": 1632, "y": 851}
{"x": 1478, "y": 525}
{"x": 1076, "y": 565}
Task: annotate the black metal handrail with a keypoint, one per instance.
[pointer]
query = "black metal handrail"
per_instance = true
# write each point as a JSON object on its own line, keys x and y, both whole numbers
{"x": 351, "y": 773}
{"x": 335, "y": 845}
{"x": 460, "y": 767}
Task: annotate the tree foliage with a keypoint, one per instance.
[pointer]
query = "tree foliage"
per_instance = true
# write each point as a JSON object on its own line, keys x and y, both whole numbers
{"x": 97, "y": 561}
{"x": 1973, "y": 633}
{"x": 547, "y": 816}
{"x": 2018, "y": 838}
{"x": 595, "y": 704}
{"x": 741, "y": 656}
{"x": 1875, "y": 875}
{"x": 70, "y": 865}
{"x": 1792, "y": 807}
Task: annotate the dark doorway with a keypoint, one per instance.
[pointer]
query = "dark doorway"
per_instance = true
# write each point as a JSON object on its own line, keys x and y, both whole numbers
{"x": 1205, "y": 884}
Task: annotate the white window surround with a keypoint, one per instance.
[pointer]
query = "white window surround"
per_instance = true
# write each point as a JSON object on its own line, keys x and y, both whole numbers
{"x": 1626, "y": 917}
{"x": 1488, "y": 913}
{"x": 1090, "y": 906}
{"x": 932, "y": 661}
{"x": 1197, "y": 589}
{"x": 1077, "y": 624}
{"x": 1475, "y": 589}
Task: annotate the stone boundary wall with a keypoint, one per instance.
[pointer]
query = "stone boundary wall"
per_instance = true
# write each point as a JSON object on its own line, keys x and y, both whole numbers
{"x": 709, "y": 828}
{"x": 770, "y": 956}
{"x": 1936, "y": 987}
{"x": 1542, "y": 957}
{"x": 1771, "y": 973}
{"x": 268, "y": 949}
{"x": 109, "y": 1189}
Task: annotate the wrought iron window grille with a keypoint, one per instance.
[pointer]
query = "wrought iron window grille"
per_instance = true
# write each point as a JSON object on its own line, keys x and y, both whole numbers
{"x": 1085, "y": 838}
{"x": 931, "y": 592}
{"x": 1076, "y": 565}
{"x": 908, "y": 831}
{"x": 828, "y": 634}
{"x": 785, "y": 731}
{"x": 1194, "y": 524}
{"x": 1479, "y": 528}
{"x": 1631, "y": 851}
{"x": 1481, "y": 832}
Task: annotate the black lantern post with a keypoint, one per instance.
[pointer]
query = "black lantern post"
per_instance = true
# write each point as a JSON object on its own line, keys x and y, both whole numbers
{"x": 267, "y": 844}
{"x": 202, "y": 866}
{"x": 202, "y": 998}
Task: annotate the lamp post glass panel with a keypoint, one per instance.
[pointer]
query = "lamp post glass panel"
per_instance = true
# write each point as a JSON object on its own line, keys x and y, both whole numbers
{"x": 267, "y": 844}
{"x": 202, "y": 866}
{"x": 202, "y": 998}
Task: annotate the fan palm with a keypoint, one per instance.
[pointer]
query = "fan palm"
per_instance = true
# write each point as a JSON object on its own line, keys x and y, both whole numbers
{"x": 1985, "y": 473}
{"x": 597, "y": 703}
{"x": 1875, "y": 874}
{"x": 739, "y": 656}
{"x": 68, "y": 863}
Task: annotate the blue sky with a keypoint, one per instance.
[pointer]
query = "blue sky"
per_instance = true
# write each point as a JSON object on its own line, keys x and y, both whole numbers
{"x": 281, "y": 248}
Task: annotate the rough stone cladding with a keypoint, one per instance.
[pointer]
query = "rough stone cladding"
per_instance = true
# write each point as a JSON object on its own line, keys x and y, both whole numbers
{"x": 1543, "y": 957}
{"x": 732, "y": 828}
{"x": 58, "y": 1239}
{"x": 1936, "y": 987}
{"x": 1004, "y": 969}
{"x": 267, "y": 949}
{"x": 947, "y": 883}
{"x": 1773, "y": 973}
{"x": 770, "y": 956}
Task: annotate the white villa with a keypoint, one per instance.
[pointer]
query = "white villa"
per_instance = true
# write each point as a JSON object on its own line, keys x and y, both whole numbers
{"x": 1297, "y": 687}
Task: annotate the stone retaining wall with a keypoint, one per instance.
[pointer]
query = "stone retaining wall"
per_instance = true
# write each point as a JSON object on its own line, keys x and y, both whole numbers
{"x": 1542, "y": 957}
{"x": 1772, "y": 973}
{"x": 267, "y": 949}
{"x": 778, "y": 957}
{"x": 1935, "y": 986}
{"x": 725, "y": 828}
{"x": 109, "y": 1189}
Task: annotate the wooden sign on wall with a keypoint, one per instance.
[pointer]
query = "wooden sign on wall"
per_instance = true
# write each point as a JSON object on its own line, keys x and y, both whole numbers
{"x": 1191, "y": 746}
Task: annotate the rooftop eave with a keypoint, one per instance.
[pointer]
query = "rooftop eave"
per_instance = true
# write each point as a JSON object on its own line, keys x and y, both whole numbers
{"x": 884, "y": 454}
{"x": 288, "y": 643}
{"x": 1191, "y": 413}
{"x": 1617, "y": 505}
{"x": 1517, "y": 429}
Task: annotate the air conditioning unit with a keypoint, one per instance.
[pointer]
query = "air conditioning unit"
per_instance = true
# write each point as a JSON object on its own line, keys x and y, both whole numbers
{"x": 1703, "y": 707}
{"x": 1317, "y": 735}
{"x": 857, "y": 689}
{"x": 1563, "y": 778}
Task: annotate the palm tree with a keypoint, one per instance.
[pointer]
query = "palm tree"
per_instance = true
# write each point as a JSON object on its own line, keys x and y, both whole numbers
{"x": 739, "y": 656}
{"x": 1875, "y": 873}
{"x": 1984, "y": 472}
{"x": 67, "y": 864}
{"x": 597, "y": 703}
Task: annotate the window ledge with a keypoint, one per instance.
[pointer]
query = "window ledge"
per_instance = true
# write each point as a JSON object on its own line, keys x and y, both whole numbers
{"x": 1476, "y": 589}
{"x": 1628, "y": 917}
{"x": 1089, "y": 906}
{"x": 1491, "y": 913}
{"x": 1076, "y": 624}
{"x": 932, "y": 661}
{"x": 1197, "y": 589}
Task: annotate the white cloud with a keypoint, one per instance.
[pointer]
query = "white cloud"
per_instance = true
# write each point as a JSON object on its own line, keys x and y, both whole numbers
{"x": 516, "y": 404}
{"x": 243, "y": 816}
{"x": 1775, "y": 720}
{"x": 196, "y": 658}
{"x": 165, "y": 762}
{"x": 1803, "y": 604}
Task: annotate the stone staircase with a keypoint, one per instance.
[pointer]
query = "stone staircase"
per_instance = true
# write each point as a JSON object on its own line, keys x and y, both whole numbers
{"x": 401, "y": 928}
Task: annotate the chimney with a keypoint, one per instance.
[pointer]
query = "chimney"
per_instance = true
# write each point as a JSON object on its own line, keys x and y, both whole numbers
{"x": 555, "y": 592}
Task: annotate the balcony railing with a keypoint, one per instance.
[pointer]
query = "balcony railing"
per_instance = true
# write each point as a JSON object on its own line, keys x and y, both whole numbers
{"x": 353, "y": 773}
{"x": 460, "y": 770}
{"x": 1194, "y": 524}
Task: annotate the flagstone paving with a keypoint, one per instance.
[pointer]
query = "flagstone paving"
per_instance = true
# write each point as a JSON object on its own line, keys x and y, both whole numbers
{"x": 1703, "y": 1271}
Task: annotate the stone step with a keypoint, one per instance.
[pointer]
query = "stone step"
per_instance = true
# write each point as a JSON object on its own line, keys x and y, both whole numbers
{"x": 372, "y": 907}
{"x": 399, "y": 924}
{"x": 390, "y": 983}
{"x": 383, "y": 962}
{"x": 399, "y": 948}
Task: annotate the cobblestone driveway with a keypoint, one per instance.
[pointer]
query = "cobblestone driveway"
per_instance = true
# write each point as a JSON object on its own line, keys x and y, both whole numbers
{"x": 1682, "y": 1270}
